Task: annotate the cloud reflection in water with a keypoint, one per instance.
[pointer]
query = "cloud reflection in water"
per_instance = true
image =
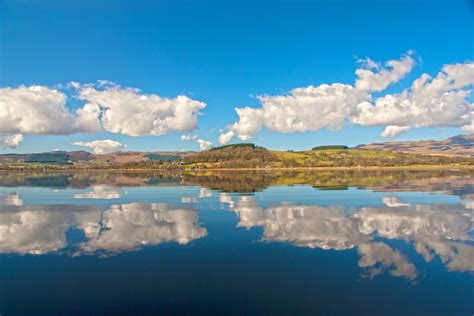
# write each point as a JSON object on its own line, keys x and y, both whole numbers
{"x": 434, "y": 229}
{"x": 102, "y": 192}
{"x": 41, "y": 229}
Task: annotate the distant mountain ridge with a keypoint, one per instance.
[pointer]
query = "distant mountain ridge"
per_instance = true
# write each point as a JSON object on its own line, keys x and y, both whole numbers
{"x": 462, "y": 145}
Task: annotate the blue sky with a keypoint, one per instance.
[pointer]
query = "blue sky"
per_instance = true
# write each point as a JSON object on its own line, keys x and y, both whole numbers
{"x": 225, "y": 53}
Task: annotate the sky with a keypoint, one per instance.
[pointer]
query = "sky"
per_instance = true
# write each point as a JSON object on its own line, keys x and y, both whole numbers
{"x": 186, "y": 75}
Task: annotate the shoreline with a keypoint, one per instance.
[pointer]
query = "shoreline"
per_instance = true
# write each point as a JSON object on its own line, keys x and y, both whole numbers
{"x": 182, "y": 170}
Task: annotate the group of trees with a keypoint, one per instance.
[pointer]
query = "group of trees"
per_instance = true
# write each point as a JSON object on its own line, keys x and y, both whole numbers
{"x": 330, "y": 147}
{"x": 151, "y": 164}
{"x": 233, "y": 156}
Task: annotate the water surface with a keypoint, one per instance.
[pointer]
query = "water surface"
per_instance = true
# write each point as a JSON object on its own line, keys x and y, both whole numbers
{"x": 374, "y": 243}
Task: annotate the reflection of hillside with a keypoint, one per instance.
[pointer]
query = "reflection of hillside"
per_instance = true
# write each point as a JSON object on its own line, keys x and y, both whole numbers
{"x": 251, "y": 181}
{"x": 453, "y": 185}
{"x": 365, "y": 178}
{"x": 41, "y": 229}
{"x": 87, "y": 179}
{"x": 441, "y": 231}
{"x": 453, "y": 182}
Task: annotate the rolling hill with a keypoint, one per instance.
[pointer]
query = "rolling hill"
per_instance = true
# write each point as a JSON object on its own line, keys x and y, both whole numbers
{"x": 455, "y": 151}
{"x": 457, "y": 145}
{"x": 86, "y": 159}
{"x": 251, "y": 156}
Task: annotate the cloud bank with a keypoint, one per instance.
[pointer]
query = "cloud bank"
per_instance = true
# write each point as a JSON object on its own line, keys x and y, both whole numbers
{"x": 440, "y": 101}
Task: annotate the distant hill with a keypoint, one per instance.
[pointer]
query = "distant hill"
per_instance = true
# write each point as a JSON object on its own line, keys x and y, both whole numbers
{"x": 84, "y": 157}
{"x": 54, "y": 157}
{"x": 457, "y": 145}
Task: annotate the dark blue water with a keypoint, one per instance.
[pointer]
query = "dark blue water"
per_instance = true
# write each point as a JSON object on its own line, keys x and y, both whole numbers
{"x": 378, "y": 244}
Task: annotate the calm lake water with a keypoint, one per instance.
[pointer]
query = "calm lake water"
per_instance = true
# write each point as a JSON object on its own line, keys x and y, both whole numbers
{"x": 349, "y": 243}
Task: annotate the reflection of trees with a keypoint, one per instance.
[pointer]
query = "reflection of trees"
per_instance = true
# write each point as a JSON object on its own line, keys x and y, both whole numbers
{"x": 41, "y": 229}
{"x": 435, "y": 230}
{"x": 231, "y": 181}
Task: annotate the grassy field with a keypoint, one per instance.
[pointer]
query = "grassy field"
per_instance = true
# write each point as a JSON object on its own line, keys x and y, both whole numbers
{"x": 361, "y": 158}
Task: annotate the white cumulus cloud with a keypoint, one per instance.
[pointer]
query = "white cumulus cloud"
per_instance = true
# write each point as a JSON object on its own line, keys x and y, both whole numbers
{"x": 204, "y": 144}
{"x": 41, "y": 110}
{"x": 442, "y": 101}
{"x": 10, "y": 141}
{"x": 312, "y": 108}
{"x": 224, "y": 138}
{"x": 107, "y": 106}
{"x": 101, "y": 147}
{"x": 304, "y": 109}
{"x": 376, "y": 77}
{"x": 129, "y": 111}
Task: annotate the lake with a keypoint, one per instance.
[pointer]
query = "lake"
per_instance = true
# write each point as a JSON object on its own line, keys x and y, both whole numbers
{"x": 241, "y": 242}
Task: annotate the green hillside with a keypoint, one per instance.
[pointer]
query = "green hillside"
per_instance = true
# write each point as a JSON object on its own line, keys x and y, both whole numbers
{"x": 251, "y": 156}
